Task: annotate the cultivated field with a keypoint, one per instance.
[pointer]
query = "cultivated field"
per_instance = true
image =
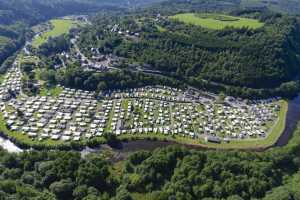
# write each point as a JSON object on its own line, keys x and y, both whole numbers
{"x": 59, "y": 27}
{"x": 217, "y": 21}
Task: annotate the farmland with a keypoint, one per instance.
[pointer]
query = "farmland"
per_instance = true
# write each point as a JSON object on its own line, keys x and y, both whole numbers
{"x": 59, "y": 27}
{"x": 217, "y": 21}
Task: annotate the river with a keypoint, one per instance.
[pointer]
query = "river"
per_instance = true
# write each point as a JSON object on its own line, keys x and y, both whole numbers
{"x": 292, "y": 118}
{"x": 9, "y": 146}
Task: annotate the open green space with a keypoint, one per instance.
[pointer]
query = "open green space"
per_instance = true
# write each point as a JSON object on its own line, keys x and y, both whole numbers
{"x": 59, "y": 27}
{"x": 4, "y": 40}
{"x": 52, "y": 91}
{"x": 1, "y": 78}
{"x": 29, "y": 59}
{"x": 217, "y": 21}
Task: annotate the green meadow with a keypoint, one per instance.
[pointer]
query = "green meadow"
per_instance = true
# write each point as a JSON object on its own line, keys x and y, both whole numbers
{"x": 4, "y": 40}
{"x": 217, "y": 21}
{"x": 59, "y": 27}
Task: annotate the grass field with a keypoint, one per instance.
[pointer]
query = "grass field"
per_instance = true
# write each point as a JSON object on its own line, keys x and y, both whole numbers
{"x": 4, "y": 40}
{"x": 217, "y": 21}
{"x": 60, "y": 26}
{"x": 1, "y": 78}
{"x": 53, "y": 92}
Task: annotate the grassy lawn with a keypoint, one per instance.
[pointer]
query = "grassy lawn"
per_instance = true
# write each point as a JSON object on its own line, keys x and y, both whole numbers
{"x": 30, "y": 59}
{"x": 217, "y": 21}
{"x": 161, "y": 29}
{"x": 4, "y": 40}
{"x": 2, "y": 76}
{"x": 53, "y": 91}
{"x": 60, "y": 26}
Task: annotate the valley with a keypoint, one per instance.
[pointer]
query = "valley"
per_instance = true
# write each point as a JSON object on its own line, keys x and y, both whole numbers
{"x": 58, "y": 116}
{"x": 149, "y": 100}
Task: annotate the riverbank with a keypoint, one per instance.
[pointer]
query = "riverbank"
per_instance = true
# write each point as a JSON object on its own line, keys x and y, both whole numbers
{"x": 24, "y": 142}
{"x": 9, "y": 146}
{"x": 250, "y": 144}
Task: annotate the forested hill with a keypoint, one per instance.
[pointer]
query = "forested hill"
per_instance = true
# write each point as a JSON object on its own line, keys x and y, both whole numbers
{"x": 17, "y": 15}
{"x": 173, "y": 6}
{"x": 285, "y": 6}
{"x": 281, "y": 6}
{"x": 257, "y": 59}
{"x": 163, "y": 174}
{"x": 33, "y": 11}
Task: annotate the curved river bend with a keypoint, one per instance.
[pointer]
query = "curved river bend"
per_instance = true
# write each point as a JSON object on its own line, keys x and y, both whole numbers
{"x": 292, "y": 118}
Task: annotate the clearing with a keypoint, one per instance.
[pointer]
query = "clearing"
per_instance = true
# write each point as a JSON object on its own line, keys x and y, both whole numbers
{"x": 217, "y": 21}
{"x": 59, "y": 27}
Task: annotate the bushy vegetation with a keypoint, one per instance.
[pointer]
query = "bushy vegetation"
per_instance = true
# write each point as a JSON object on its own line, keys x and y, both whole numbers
{"x": 245, "y": 59}
{"x": 168, "y": 173}
{"x": 11, "y": 39}
{"x": 16, "y": 16}
{"x": 34, "y": 11}
{"x": 284, "y": 6}
{"x": 76, "y": 77}
{"x": 281, "y": 6}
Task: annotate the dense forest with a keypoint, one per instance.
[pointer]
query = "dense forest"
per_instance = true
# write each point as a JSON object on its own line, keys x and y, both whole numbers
{"x": 281, "y": 6}
{"x": 264, "y": 58}
{"x": 12, "y": 37}
{"x": 245, "y": 62}
{"x": 241, "y": 62}
{"x": 174, "y": 6}
{"x": 16, "y": 16}
{"x": 284, "y": 6}
{"x": 34, "y": 11}
{"x": 167, "y": 173}
{"x": 75, "y": 77}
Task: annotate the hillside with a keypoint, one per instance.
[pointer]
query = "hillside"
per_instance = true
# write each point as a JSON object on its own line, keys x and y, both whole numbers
{"x": 262, "y": 57}
{"x": 217, "y": 21}
{"x": 11, "y": 38}
{"x": 284, "y": 6}
{"x": 33, "y": 11}
{"x": 17, "y": 15}
{"x": 162, "y": 174}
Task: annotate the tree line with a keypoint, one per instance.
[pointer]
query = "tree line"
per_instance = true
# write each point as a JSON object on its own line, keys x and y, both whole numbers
{"x": 172, "y": 172}
{"x": 242, "y": 62}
